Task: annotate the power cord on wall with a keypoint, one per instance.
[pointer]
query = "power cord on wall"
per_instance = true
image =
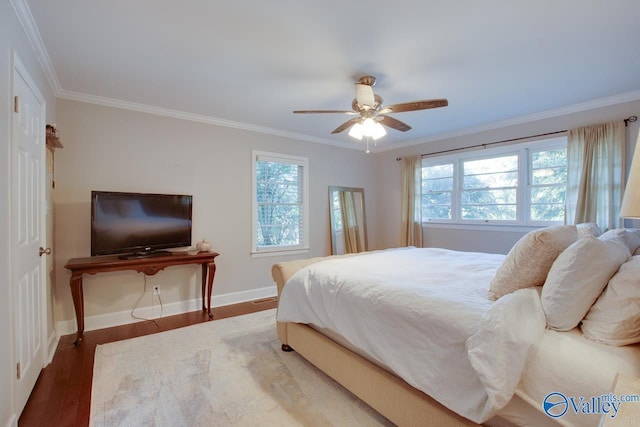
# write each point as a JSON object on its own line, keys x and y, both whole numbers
{"x": 144, "y": 291}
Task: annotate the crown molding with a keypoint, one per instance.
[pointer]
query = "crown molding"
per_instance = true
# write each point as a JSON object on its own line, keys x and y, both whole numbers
{"x": 33, "y": 34}
{"x": 149, "y": 109}
{"x": 571, "y": 109}
{"x": 200, "y": 118}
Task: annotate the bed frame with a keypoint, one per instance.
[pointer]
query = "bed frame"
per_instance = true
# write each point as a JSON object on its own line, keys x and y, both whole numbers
{"x": 392, "y": 397}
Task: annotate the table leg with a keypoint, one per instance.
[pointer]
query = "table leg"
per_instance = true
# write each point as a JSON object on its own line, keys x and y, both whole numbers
{"x": 211, "y": 267}
{"x": 78, "y": 303}
{"x": 204, "y": 284}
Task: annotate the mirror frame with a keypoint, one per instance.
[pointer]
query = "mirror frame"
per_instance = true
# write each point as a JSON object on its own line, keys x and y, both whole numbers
{"x": 332, "y": 190}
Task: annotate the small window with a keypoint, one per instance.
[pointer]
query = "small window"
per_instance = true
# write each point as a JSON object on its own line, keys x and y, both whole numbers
{"x": 548, "y": 184}
{"x": 280, "y": 203}
{"x": 437, "y": 191}
{"x": 489, "y": 189}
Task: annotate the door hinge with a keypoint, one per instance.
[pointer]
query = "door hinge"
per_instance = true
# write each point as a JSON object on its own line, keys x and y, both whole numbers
{"x": 15, "y": 104}
{"x": 19, "y": 374}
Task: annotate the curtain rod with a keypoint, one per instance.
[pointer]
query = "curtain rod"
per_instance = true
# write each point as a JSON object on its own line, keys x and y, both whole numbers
{"x": 628, "y": 120}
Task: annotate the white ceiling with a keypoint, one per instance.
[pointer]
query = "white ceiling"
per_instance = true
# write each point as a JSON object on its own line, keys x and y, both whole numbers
{"x": 249, "y": 63}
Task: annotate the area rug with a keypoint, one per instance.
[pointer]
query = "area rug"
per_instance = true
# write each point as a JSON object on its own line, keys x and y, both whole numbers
{"x": 228, "y": 372}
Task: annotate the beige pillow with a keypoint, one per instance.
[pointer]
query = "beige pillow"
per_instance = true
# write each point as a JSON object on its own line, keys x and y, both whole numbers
{"x": 615, "y": 317}
{"x": 530, "y": 259}
{"x": 577, "y": 278}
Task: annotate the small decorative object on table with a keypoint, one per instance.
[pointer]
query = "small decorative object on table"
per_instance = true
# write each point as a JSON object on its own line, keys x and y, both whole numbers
{"x": 203, "y": 246}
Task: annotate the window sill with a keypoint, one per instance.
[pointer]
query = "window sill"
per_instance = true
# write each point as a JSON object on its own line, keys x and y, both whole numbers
{"x": 484, "y": 226}
{"x": 278, "y": 252}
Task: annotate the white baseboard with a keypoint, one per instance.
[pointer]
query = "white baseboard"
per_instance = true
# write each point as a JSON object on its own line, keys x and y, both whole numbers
{"x": 52, "y": 345}
{"x": 66, "y": 327}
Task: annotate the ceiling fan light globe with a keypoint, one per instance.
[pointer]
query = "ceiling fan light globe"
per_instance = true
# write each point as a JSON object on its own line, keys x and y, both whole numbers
{"x": 356, "y": 131}
{"x": 378, "y": 131}
{"x": 368, "y": 126}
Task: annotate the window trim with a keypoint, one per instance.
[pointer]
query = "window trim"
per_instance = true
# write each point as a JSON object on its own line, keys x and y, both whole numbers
{"x": 262, "y": 251}
{"x": 523, "y": 191}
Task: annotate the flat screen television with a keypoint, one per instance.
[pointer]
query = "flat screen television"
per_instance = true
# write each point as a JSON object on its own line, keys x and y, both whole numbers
{"x": 139, "y": 224}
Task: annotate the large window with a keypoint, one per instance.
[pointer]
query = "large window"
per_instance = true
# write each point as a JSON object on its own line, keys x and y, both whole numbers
{"x": 523, "y": 184}
{"x": 280, "y": 203}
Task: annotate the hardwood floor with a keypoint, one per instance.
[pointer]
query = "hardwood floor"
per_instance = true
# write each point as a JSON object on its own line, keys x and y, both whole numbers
{"x": 62, "y": 394}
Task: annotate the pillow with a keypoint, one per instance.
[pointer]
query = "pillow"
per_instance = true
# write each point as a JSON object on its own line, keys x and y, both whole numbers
{"x": 577, "y": 278}
{"x": 633, "y": 239}
{"x": 588, "y": 229}
{"x": 530, "y": 259}
{"x": 631, "y": 236}
{"x": 615, "y": 317}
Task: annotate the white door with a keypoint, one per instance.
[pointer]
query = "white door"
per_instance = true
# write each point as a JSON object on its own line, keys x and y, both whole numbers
{"x": 27, "y": 233}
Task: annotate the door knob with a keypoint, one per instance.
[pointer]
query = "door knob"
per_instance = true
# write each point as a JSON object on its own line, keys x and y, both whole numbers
{"x": 44, "y": 251}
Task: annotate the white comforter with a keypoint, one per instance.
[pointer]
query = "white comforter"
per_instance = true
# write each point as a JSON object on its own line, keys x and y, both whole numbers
{"x": 424, "y": 314}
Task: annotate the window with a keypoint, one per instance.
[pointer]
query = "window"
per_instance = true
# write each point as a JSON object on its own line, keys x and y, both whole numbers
{"x": 437, "y": 191}
{"x": 489, "y": 188}
{"x": 548, "y": 184}
{"x": 280, "y": 203}
{"x": 520, "y": 184}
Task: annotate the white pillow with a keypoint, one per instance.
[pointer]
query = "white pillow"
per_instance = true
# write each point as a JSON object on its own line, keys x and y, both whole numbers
{"x": 577, "y": 278}
{"x": 588, "y": 229}
{"x": 530, "y": 259}
{"x": 633, "y": 239}
{"x": 615, "y": 317}
{"x": 631, "y": 236}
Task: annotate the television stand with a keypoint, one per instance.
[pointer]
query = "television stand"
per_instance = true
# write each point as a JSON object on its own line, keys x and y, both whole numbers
{"x": 148, "y": 266}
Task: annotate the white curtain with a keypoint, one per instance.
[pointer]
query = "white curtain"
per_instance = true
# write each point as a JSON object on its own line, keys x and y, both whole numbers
{"x": 412, "y": 202}
{"x": 595, "y": 174}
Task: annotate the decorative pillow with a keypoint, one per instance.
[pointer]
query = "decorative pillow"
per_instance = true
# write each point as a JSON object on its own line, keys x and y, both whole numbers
{"x": 631, "y": 236}
{"x": 615, "y": 317}
{"x": 588, "y": 229}
{"x": 530, "y": 259}
{"x": 577, "y": 278}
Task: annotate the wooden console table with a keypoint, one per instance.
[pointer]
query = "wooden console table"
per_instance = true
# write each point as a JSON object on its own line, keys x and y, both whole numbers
{"x": 148, "y": 266}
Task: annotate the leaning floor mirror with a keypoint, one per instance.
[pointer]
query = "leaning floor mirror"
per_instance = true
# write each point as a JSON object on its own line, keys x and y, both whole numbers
{"x": 348, "y": 221}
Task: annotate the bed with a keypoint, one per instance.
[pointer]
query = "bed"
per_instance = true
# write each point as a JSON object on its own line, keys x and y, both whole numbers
{"x": 359, "y": 340}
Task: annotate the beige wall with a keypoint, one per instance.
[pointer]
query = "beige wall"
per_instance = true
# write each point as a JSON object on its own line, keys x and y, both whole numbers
{"x": 121, "y": 150}
{"x": 470, "y": 238}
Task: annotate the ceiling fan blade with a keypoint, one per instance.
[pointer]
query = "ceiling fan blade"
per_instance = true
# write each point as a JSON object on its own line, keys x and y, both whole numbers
{"x": 346, "y": 125}
{"x": 394, "y": 123}
{"x": 365, "y": 96}
{"x": 324, "y": 111}
{"x": 415, "y": 105}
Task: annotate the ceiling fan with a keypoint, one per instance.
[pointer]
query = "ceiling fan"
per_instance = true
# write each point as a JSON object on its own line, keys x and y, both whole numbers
{"x": 372, "y": 114}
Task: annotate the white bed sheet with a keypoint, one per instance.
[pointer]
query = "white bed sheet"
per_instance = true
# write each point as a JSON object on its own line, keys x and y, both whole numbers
{"x": 424, "y": 314}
